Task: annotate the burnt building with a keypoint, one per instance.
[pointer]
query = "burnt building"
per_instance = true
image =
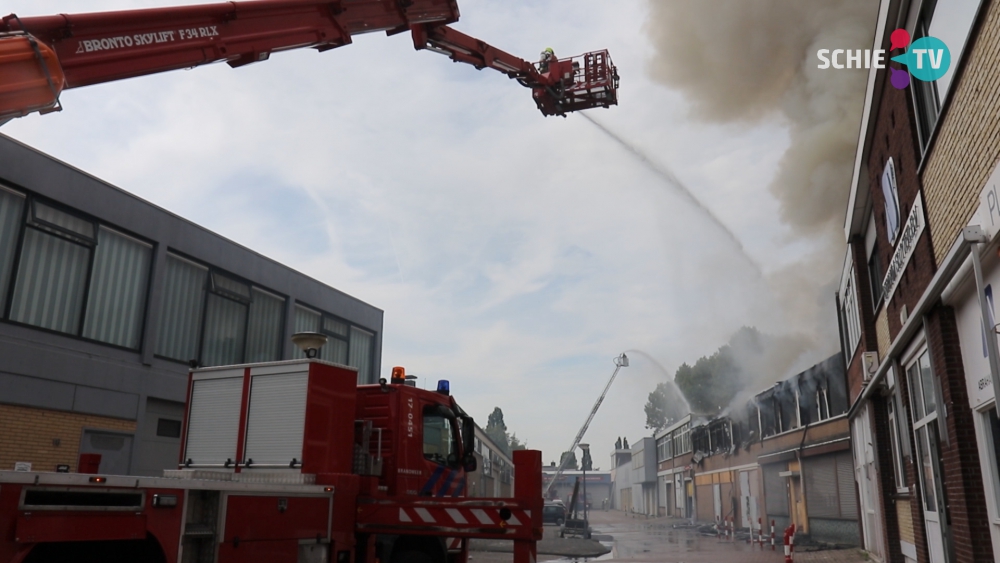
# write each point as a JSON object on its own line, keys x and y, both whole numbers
{"x": 783, "y": 456}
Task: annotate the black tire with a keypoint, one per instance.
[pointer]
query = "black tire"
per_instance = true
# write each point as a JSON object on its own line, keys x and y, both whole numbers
{"x": 412, "y": 556}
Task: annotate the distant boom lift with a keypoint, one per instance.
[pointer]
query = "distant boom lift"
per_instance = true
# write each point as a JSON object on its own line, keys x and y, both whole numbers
{"x": 42, "y": 56}
{"x": 620, "y": 362}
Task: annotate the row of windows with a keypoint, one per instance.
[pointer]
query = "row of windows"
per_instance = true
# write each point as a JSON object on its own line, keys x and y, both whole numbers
{"x": 66, "y": 273}
{"x": 674, "y": 444}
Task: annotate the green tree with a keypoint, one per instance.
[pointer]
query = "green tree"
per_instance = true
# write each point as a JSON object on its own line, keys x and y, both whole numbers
{"x": 516, "y": 444}
{"x": 714, "y": 381}
{"x": 570, "y": 459}
{"x": 497, "y": 430}
{"x": 664, "y": 406}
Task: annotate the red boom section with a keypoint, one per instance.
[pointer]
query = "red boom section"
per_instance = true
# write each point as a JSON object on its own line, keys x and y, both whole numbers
{"x": 40, "y": 56}
{"x": 105, "y": 46}
{"x": 581, "y": 82}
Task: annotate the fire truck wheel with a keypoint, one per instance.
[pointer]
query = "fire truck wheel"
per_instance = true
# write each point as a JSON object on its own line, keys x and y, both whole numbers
{"x": 412, "y": 556}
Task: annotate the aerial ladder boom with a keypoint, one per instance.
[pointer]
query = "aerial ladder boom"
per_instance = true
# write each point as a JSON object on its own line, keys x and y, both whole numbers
{"x": 42, "y": 56}
{"x": 620, "y": 362}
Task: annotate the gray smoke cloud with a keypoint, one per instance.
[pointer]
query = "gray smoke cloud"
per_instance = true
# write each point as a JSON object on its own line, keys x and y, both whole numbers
{"x": 749, "y": 60}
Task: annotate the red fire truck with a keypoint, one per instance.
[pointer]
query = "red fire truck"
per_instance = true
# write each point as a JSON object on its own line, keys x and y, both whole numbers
{"x": 286, "y": 461}
{"x": 42, "y": 56}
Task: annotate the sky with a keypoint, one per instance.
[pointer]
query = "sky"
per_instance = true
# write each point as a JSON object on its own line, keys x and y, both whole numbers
{"x": 513, "y": 254}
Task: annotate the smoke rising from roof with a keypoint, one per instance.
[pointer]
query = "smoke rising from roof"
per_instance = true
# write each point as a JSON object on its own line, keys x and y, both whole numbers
{"x": 750, "y": 60}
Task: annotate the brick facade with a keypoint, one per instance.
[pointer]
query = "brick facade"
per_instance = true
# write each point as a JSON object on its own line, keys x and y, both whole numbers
{"x": 48, "y": 438}
{"x": 965, "y": 150}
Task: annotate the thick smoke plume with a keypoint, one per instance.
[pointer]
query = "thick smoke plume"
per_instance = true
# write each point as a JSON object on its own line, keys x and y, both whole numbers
{"x": 751, "y": 60}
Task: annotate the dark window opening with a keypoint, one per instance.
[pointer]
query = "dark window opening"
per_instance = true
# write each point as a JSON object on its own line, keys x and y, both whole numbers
{"x": 168, "y": 428}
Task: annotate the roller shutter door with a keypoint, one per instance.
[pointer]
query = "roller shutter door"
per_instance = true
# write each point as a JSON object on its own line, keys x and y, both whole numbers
{"x": 830, "y": 491}
{"x": 822, "y": 498}
{"x": 775, "y": 490}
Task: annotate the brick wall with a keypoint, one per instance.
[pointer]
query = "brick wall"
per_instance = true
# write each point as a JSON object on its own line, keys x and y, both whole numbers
{"x": 966, "y": 148}
{"x": 894, "y": 136}
{"x": 905, "y": 520}
{"x": 882, "y": 332}
{"x": 47, "y": 438}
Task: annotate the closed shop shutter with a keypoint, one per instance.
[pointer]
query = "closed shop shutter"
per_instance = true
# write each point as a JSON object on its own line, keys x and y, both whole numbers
{"x": 845, "y": 481}
{"x": 820, "y": 476}
{"x": 775, "y": 490}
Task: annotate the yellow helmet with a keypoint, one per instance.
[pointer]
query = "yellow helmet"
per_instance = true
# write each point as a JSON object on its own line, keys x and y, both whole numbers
{"x": 549, "y": 50}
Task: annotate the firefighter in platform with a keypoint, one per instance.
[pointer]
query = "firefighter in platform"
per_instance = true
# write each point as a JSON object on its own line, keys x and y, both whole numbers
{"x": 548, "y": 55}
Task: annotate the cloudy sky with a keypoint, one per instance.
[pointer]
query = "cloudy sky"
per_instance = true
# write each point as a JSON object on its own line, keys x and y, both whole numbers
{"x": 513, "y": 254}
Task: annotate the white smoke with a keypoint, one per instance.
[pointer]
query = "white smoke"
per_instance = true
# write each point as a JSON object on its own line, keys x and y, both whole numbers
{"x": 752, "y": 60}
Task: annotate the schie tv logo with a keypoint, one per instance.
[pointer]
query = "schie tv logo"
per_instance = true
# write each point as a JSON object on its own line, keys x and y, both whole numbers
{"x": 927, "y": 58}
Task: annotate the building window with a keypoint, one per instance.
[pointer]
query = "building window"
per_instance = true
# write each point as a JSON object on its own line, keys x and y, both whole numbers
{"x": 950, "y": 21}
{"x": 11, "y": 209}
{"x": 117, "y": 295}
{"x": 226, "y": 312}
{"x": 346, "y": 345}
{"x": 849, "y": 314}
{"x": 264, "y": 329}
{"x": 215, "y": 318}
{"x": 875, "y": 275}
{"x": 168, "y": 428}
{"x": 894, "y": 444}
{"x": 181, "y": 309}
{"x": 63, "y": 272}
{"x": 874, "y": 262}
{"x": 51, "y": 280}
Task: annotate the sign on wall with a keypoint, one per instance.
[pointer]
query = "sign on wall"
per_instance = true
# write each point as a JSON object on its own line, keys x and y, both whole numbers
{"x": 890, "y": 194}
{"x": 908, "y": 238}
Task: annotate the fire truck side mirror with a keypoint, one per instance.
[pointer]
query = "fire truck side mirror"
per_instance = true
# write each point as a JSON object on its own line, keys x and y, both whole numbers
{"x": 470, "y": 464}
{"x": 468, "y": 443}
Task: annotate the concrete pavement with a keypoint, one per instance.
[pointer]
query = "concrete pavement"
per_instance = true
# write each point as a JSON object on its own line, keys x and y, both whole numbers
{"x": 638, "y": 539}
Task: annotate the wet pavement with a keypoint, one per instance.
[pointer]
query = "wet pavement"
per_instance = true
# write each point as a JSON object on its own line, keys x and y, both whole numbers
{"x": 638, "y": 539}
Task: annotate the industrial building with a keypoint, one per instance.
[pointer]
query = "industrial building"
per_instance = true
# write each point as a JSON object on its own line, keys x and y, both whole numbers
{"x": 494, "y": 474}
{"x": 916, "y": 295}
{"x": 106, "y": 302}
{"x": 785, "y": 456}
{"x": 598, "y": 486}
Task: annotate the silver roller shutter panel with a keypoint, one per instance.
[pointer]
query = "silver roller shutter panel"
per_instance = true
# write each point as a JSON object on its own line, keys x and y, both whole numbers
{"x": 213, "y": 426}
{"x": 845, "y": 481}
{"x": 276, "y": 418}
{"x": 820, "y": 476}
{"x": 775, "y": 490}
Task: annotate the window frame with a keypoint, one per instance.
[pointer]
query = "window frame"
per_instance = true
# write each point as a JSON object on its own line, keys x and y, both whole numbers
{"x": 919, "y": 26}
{"x": 210, "y": 289}
{"x": 345, "y": 339}
{"x": 90, "y": 243}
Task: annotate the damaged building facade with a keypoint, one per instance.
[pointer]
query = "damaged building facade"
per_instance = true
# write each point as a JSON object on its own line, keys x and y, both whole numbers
{"x": 784, "y": 456}
{"x": 918, "y": 327}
